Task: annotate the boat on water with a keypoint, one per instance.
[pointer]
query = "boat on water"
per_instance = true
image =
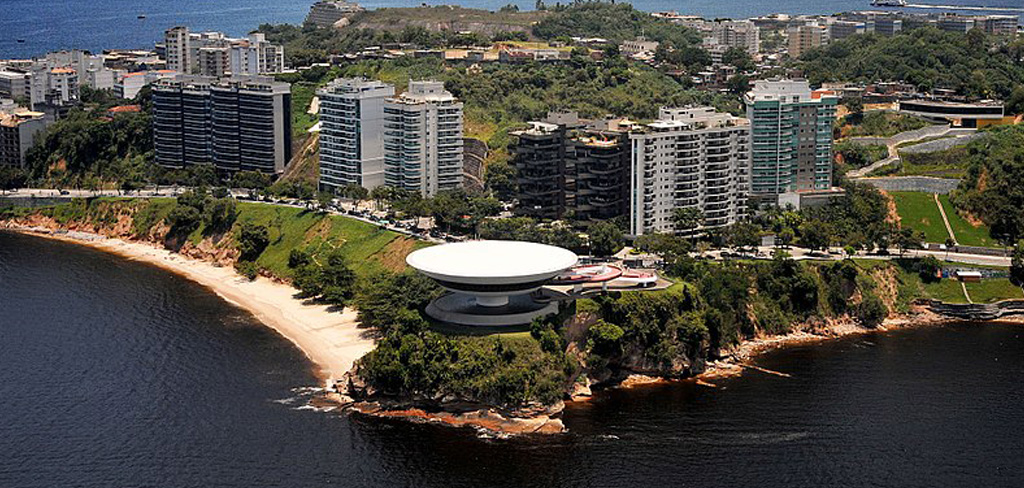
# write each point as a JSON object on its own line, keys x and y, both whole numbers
{"x": 142, "y": 16}
{"x": 888, "y": 3}
{"x": 21, "y": 41}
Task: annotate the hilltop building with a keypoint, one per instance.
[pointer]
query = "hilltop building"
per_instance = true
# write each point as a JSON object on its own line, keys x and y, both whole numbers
{"x": 689, "y": 158}
{"x": 237, "y": 123}
{"x": 328, "y": 13}
{"x": 352, "y": 133}
{"x": 423, "y": 139}
{"x": 792, "y": 137}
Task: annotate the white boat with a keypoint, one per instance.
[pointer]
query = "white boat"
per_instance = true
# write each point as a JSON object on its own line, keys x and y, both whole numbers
{"x": 889, "y": 3}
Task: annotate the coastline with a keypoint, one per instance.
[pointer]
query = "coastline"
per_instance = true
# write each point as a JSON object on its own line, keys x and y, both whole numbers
{"x": 332, "y": 341}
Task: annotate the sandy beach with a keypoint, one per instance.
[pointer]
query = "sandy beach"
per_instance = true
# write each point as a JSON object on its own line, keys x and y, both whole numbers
{"x": 331, "y": 340}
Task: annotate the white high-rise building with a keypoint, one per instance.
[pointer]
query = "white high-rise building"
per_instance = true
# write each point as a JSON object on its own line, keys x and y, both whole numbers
{"x": 256, "y": 56}
{"x": 689, "y": 158}
{"x": 214, "y": 54}
{"x": 351, "y": 133}
{"x": 178, "y": 49}
{"x": 423, "y": 139}
{"x": 737, "y": 33}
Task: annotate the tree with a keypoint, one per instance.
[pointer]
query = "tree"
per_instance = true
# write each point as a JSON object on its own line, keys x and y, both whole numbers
{"x": 738, "y": 57}
{"x": 815, "y": 235}
{"x": 605, "y": 238}
{"x": 950, "y": 244}
{"x": 928, "y": 268}
{"x": 220, "y": 214}
{"x": 252, "y": 240}
{"x": 500, "y": 178}
{"x": 785, "y": 237}
{"x": 324, "y": 200}
{"x": 738, "y": 84}
{"x": 687, "y": 220}
{"x": 11, "y": 179}
{"x": 1017, "y": 264}
{"x": 338, "y": 279}
{"x": 906, "y": 238}
{"x": 743, "y": 235}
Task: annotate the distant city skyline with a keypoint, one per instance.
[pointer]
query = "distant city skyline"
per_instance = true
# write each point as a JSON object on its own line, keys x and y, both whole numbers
{"x": 48, "y": 26}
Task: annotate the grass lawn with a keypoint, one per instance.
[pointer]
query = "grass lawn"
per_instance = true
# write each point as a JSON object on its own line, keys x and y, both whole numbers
{"x": 364, "y": 245}
{"x": 993, "y": 290}
{"x": 947, "y": 290}
{"x": 966, "y": 233}
{"x": 918, "y": 211}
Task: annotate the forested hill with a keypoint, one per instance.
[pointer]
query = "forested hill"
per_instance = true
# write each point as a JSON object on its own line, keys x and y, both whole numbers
{"x": 973, "y": 64}
{"x": 992, "y": 189}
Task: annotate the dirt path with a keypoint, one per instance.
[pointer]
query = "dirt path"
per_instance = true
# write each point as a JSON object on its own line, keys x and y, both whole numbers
{"x": 945, "y": 220}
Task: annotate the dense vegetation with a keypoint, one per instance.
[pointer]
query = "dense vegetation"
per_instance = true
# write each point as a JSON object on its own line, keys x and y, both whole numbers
{"x": 972, "y": 64}
{"x": 855, "y": 155}
{"x": 991, "y": 189}
{"x": 879, "y": 124}
{"x": 611, "y": 21}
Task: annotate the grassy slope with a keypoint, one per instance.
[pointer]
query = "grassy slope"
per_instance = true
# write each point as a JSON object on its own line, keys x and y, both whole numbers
{"x": 993, "y": 290}
{"x": 966, "y": 233}
{"x": 918, "y": 211}
{"x": 367, "y": 247}
{"x": 363, "y": 244}
{"x": 400, "y": 16}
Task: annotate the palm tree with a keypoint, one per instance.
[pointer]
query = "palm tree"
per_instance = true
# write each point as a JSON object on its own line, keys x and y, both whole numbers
{"x": 688, "y": 219}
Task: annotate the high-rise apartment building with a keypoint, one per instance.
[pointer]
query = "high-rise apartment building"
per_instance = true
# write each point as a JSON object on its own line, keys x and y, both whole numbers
{"x": 803, "y": 38}
{"x": 237, "y": 123}
{"x": 737, "y": 33}
{"x": 568, "y": 168}
{"x": 255, "y": 55}
{"x": 214, "y": 54}
{"x": 423, "y": 139}
{"x": 689, "y": 158}
{"x": 352, "y": 133}
{"x": 792, "y": 137}
{"x": 178, "y": 49}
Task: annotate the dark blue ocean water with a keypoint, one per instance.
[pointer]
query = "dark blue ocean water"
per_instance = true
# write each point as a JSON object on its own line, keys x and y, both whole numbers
{"x": 47, "y": 25}
{"x": 115, "y": 374}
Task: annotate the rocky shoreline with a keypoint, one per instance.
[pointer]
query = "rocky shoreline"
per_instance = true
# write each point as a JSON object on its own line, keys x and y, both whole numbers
{"x": 349, "y": 394}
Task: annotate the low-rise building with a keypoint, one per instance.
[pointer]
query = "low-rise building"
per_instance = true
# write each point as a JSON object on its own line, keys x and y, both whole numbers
{"x": 638, "y": 45}
{"x": 129, "y": 85}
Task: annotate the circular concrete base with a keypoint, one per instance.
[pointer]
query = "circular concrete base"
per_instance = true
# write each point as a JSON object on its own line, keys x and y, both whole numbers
{"x": 462, "y": 309}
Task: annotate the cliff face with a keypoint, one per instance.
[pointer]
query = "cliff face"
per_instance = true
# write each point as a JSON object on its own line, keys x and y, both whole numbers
{"x": 117, "y": 219}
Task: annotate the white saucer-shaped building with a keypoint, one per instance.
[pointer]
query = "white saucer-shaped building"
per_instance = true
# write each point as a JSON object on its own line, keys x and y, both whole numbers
{"x": 491, "y": 281}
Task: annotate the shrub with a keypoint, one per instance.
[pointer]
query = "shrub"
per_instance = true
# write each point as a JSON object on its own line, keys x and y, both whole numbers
{"x": 252, "y": 240}
{"x": 248, "y": 269}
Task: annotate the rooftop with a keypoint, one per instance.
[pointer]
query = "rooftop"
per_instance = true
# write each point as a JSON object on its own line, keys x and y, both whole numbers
{"x": 488, "y": 261}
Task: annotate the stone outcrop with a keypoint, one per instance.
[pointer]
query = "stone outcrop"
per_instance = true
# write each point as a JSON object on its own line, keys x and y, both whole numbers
{"x": 974, "y": 311}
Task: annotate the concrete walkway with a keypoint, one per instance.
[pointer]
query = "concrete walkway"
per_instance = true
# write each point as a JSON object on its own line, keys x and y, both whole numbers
{"x": 893, "y": 143}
